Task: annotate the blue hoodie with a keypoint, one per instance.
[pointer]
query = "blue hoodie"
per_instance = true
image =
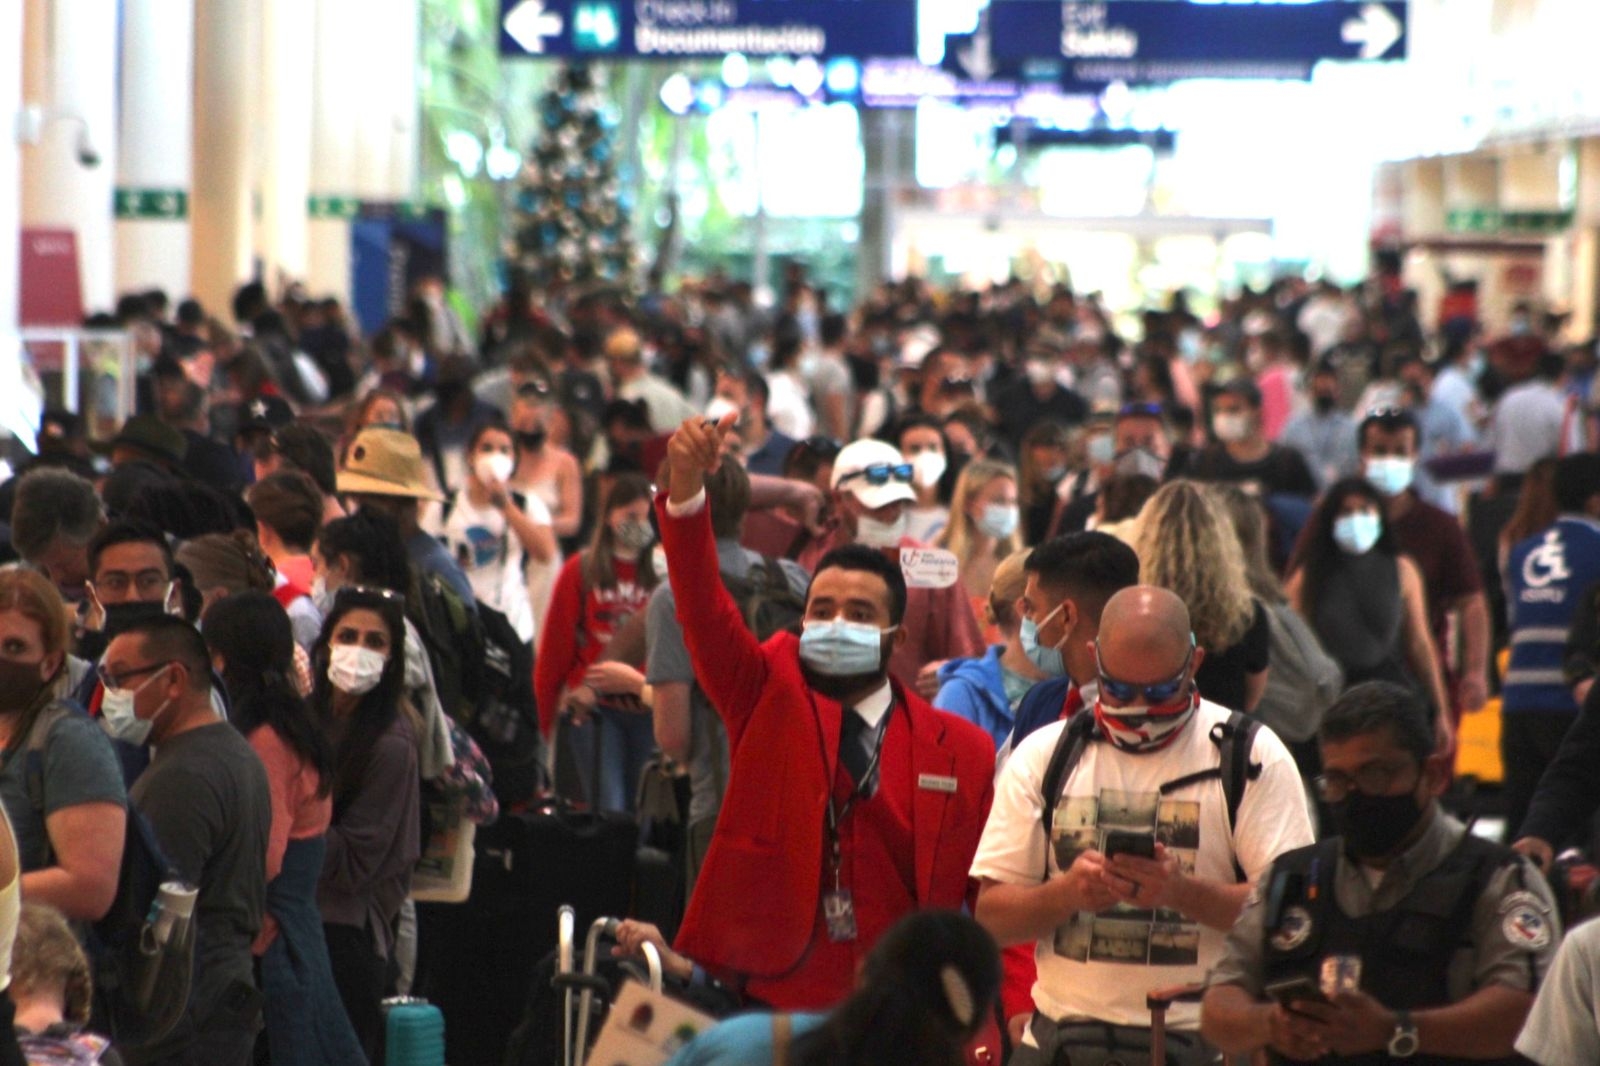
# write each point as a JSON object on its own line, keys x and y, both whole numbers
{"x": 975, "y": 689}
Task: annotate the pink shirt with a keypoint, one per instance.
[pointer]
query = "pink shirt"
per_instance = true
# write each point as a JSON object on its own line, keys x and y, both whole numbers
{"x": 298, "y": 813}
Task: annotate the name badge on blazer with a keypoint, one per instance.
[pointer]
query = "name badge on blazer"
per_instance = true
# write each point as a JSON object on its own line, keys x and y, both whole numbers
{"x": 936, "y": 782}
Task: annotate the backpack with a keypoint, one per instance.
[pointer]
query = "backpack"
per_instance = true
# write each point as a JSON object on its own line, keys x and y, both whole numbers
{"x": 767, "y": 601}
{"x": 118, "y": 960}
{"x": 1235, "y": 737}
{"x": 1304, "y": 679}
{"x": 484, "y": 676}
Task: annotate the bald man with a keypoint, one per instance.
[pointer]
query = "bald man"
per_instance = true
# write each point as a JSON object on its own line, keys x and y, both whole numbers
{"x": 1142, "y": 874}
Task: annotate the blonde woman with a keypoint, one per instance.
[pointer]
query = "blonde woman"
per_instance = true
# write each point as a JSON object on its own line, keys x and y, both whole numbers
{"x": 987, "y": 690}
{"x": 982, "y": 530}
{"x": 1186, "y": 543}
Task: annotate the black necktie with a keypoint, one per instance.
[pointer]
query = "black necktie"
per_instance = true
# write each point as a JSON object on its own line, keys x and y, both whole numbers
{"x": 852, "y": 751}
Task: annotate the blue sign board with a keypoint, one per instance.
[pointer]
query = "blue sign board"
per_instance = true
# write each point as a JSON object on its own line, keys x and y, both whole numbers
{"x": 1093, "y": 44}
{"x": 707, "y": 29}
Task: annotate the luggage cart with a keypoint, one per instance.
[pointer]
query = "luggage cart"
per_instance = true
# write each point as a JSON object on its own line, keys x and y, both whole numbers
{"x": 584, "y": 989}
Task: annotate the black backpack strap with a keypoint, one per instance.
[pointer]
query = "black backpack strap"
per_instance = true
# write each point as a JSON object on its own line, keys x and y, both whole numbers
{"x": 1238, "y": 737}
{"x": 1068, "y": 750}
{"x": 1234, "y": 739}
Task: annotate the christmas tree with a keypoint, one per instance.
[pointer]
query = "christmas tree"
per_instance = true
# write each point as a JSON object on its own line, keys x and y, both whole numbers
{"x": 570, "y": 223}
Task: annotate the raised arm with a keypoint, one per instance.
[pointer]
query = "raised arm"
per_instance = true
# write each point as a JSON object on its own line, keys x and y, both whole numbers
{"x": 727, "y": 657}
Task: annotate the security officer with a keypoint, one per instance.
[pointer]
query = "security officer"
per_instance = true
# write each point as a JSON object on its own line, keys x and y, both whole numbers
{"x": 1404, "y": 936}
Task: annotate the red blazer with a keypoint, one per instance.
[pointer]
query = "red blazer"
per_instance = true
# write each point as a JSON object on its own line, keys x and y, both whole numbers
{"x": 755, "y": 903}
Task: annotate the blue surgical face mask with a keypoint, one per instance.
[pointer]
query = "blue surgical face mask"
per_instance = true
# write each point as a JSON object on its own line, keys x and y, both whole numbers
{"x": 1049, "y": 660}
{"x": 999, "y": 520}
{"x": 838, "y": 648}
{"x": 1357, "y": 533}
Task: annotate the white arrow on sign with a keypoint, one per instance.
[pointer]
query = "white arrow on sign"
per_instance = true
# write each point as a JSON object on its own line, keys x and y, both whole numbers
{"x": 977, "y": 59}
{"x": 529, "y": 24}
{"x": 1376, "y": 30}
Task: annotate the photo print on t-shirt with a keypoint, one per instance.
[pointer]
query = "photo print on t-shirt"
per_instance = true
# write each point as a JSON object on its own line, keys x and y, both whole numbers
{"x": 1126, "y": 933}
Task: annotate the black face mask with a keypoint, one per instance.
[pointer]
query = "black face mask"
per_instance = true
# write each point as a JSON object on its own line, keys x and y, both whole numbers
{"x": 1324, "y": 403}
{"x": 20, "y": 684}
{"x": 119, "y": 617}
{"x": 1374, "y": 826}
{"x": 533, "y": 440}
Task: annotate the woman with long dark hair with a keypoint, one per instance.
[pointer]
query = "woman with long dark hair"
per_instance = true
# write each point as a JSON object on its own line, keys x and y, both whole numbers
{"x": 1364, "y": 599}
{"x": 252, "y": 647}
{"x": 373, "y": 840}
{"x": 925, "y": 991}
{"x": 596, "y": 593}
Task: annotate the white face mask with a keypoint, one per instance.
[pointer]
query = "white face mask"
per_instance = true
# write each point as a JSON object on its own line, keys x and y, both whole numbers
{"x": 1231, "y": 427}
{"x": 876, "y": 534}
{"x": 355, "y": 670}
{"x": 1039, "y": 372}
{"x": 118, "y": 717}
{"x": 927, "y": 468}
{"x": 321, "y": 598}
{"x": 494, "y": 468}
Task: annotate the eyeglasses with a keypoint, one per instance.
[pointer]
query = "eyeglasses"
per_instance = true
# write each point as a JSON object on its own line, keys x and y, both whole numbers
{"x": 533, "y": 390}
{"x": 881, "y": 474}
{"x": 1373, "y": 779}
{"x": 147, "y": 583}
{"x": 117, "y": 682}
{"x": 1128, "y": 692}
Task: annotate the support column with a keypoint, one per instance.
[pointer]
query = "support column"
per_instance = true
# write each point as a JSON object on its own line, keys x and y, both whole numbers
{"x": 286, "y": 110}
{"x": 400, "y": 99}
{"x": 11, "y": 33}
{"x": 69, "y": 71}
{"x": 154, "y": 165}
{"x": 335, "y": 116}
{"x": 223, "y": 158}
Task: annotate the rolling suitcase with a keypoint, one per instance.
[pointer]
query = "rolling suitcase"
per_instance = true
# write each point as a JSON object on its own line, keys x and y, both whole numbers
{"x": 475, "y": 960}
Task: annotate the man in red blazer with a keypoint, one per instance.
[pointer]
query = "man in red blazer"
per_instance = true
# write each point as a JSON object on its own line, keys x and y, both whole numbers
{"x": 850, "y": 801}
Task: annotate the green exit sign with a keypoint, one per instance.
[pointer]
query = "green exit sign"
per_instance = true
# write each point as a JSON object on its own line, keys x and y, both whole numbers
{"x": 1492, "y": 221}
{"x": 596, "y": 27}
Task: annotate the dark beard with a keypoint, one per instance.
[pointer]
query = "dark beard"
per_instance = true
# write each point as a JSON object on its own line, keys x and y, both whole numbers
{"x": 840, "y": 686}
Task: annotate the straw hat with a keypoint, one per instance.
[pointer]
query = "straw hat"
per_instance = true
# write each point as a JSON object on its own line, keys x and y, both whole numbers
{"x": 385, "y": 462}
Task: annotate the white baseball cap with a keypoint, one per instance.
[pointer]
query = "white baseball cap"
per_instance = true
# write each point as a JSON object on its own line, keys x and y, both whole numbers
{"x": 875, "y": 472}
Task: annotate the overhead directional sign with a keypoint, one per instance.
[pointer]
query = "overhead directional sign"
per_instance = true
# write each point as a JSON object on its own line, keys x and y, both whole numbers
{"x": 698, "y": 29}
{"x": 1138, "y": 41}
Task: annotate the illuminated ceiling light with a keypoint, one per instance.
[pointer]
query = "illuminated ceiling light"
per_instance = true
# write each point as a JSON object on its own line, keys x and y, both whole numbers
{"x": 677, "y": 94}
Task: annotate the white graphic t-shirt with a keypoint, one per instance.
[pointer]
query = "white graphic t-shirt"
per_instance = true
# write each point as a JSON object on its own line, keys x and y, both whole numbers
{"x": 1101, "y": 965}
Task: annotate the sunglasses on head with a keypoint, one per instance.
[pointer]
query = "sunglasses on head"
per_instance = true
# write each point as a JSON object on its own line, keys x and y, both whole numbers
{"x": 881, "y": 474}
{"x": 821, "y": 447}
{"x": 1128, "y": 692}
{"x": 1141, "y": 410}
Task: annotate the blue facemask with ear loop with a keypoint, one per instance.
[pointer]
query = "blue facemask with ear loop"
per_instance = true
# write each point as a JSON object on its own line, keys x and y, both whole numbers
{"x": 837, "y": 648}
{"x": 1049, "y": 660}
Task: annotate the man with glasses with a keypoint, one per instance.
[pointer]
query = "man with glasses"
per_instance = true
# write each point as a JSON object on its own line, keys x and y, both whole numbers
{"x": 1403, "y": 935}
{"x": 206, "y": 797}
{"x": 1140, "y": 873}
{"x": 872, "y": 496}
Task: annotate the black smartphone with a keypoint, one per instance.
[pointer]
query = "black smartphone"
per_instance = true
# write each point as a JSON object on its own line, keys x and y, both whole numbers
{"x": 1123, "y": 842}
{"x": 1296, "y": 990}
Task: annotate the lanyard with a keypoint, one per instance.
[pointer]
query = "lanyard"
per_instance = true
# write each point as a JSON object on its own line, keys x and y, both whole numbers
{"x": 835, "y": 814}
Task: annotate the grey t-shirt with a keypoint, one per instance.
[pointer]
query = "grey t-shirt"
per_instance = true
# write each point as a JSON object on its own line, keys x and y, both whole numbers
{"x": 206, "y": 797}
{"x": 667, "y": 659}
{"x": 77, "y": 766}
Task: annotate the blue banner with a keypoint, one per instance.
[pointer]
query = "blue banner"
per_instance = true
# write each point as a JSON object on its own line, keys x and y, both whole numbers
{"x": 702, "y": 29}
{"x": 1089, "y": 44}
